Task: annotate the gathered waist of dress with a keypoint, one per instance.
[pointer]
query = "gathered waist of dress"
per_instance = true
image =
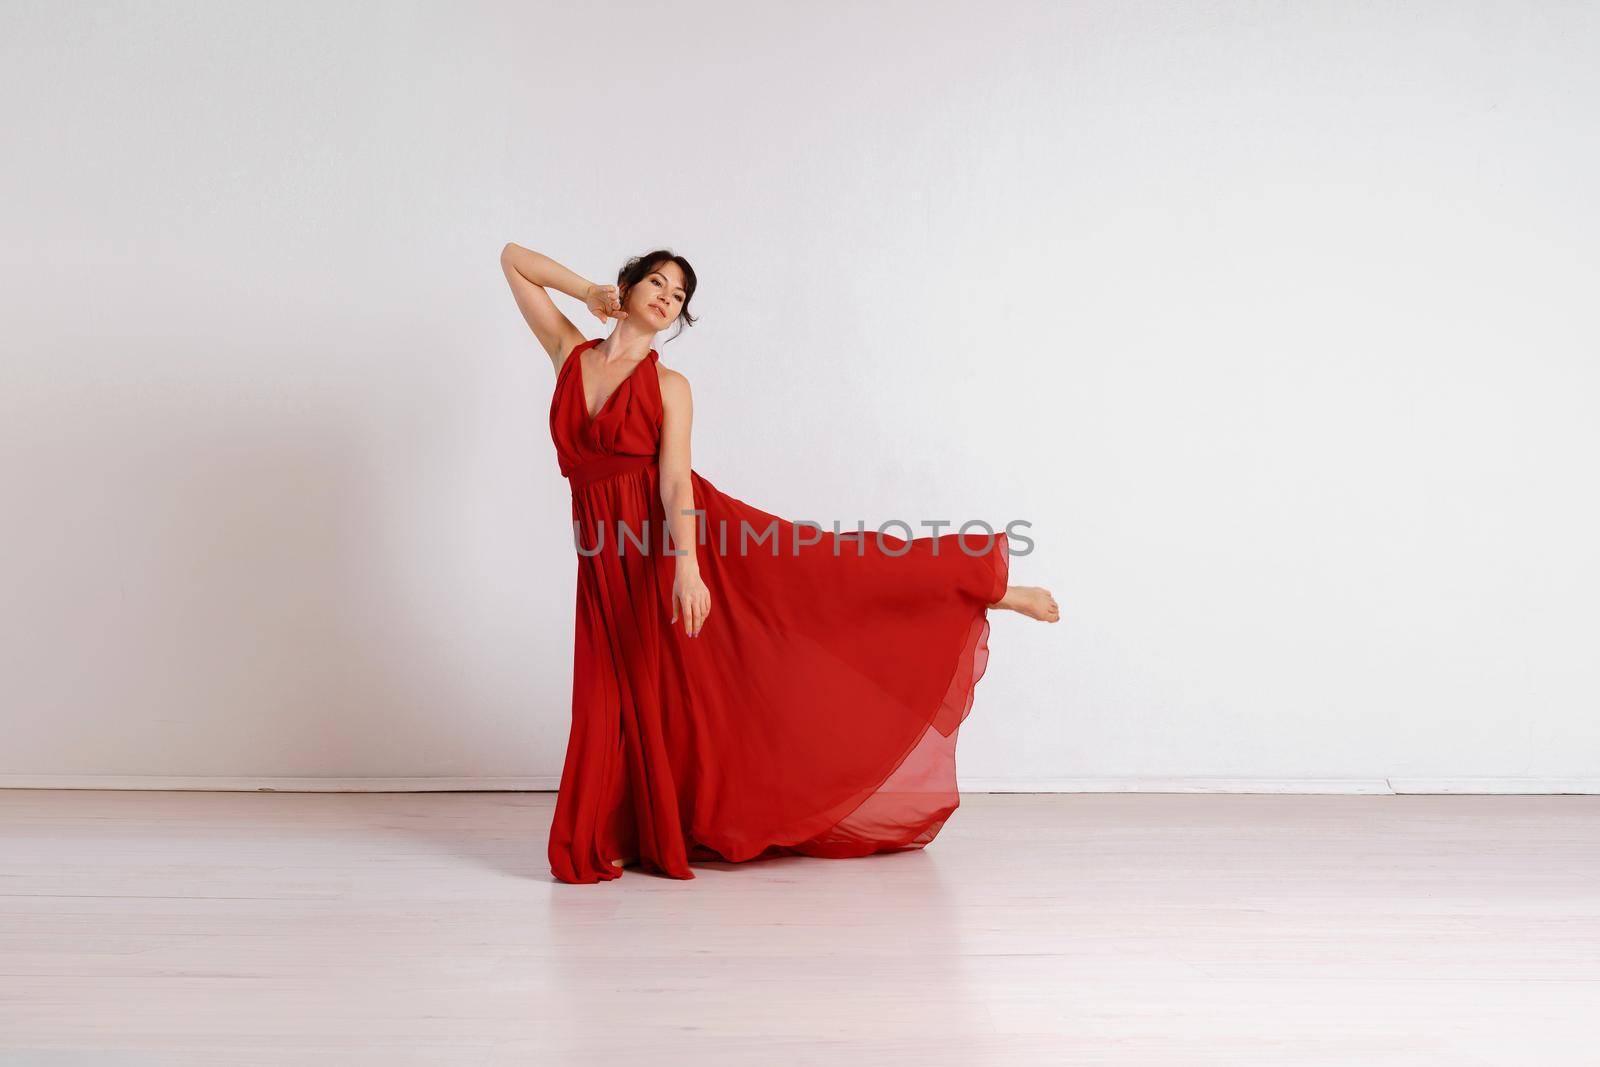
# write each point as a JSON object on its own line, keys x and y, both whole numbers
{"x": 608, "y": 467}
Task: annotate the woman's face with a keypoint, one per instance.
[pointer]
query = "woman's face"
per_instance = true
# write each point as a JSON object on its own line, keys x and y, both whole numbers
{"x": 656, "y": 299}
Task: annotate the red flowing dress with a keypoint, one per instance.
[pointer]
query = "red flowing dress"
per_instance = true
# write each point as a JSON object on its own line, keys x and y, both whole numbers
{"x": 816, "y": 712}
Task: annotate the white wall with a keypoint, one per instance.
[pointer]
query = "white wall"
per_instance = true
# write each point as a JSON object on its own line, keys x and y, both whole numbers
{"x": 1277, "y": 322}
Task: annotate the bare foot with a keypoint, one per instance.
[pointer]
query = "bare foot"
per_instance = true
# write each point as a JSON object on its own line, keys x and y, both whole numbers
{"x": 1031, "y": 600}
{"x": 624, "y": 862}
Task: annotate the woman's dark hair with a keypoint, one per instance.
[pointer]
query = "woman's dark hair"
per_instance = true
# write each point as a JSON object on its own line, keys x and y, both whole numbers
{"x": 639, "y": 267}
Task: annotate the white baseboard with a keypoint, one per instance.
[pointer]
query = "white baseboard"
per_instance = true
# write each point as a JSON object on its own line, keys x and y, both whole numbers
{"x": 1389, "y": 786}
{"x": 548, "y": 783}
{"x": 534, "y": 784}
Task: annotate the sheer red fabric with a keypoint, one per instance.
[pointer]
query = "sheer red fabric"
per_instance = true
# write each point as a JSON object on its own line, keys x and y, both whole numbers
{"x": 817, "y": 711}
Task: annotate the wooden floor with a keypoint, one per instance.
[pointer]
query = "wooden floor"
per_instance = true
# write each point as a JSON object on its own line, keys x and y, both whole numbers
{"x": 273, "y": 928}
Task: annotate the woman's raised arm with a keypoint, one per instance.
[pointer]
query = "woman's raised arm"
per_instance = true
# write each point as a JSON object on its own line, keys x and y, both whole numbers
{"x": 529, "y": 274}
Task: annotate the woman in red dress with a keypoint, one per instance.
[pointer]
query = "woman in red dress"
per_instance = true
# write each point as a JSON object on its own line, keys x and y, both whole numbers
{"x": 782, "y": 689}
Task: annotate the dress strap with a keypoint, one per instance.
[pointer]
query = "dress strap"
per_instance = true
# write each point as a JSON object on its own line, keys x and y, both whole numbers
{"x": 577, "y": 350}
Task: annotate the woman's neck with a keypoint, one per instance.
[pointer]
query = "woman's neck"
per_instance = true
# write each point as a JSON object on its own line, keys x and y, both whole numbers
{"x": 626, "y": 343}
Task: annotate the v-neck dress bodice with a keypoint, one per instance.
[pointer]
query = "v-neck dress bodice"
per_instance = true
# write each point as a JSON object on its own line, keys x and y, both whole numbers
{"x": 627, "y": 424}
{"x": 816, "y": 713}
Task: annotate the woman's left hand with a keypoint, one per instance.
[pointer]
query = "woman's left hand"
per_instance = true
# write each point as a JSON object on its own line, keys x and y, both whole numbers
{"x": 692, "y": 600}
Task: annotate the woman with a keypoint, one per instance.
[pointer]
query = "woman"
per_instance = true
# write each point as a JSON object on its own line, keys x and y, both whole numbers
{"x": 808, "y": 703}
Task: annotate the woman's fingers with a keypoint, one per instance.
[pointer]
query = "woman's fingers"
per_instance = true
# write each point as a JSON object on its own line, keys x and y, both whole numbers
{"x": 696, "y": 607}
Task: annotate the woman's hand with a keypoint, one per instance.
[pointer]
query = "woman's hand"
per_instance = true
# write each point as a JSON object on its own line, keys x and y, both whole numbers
{"x": 605, "y": 302}
{"x": 690, "y": 595}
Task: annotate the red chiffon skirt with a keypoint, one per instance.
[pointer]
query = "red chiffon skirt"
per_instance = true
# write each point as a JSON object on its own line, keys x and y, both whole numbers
{"x": 815, "y": 714}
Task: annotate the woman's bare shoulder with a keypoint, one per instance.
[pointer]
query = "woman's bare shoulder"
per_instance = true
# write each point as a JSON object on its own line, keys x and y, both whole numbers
{"x": 671, "y": 379}
{"x": 674, "y": 390}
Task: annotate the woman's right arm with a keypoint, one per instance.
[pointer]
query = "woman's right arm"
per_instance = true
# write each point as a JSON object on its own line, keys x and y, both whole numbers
{"x": 529, "y": 274}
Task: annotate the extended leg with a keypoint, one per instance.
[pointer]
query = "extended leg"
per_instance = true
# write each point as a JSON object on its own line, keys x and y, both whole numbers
{"x": 1031, "y": 600}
